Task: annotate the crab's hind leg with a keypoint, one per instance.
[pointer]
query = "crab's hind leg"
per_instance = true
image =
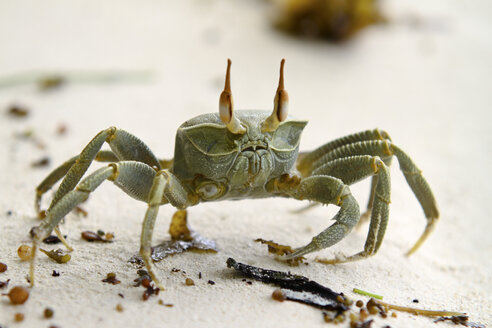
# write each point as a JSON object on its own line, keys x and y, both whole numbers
{"x": 308, "y": 161}
{"x": 386, "y": 150}
{"x": 134, "y": 178}
{"x": 351, "y": 170}
{"x": 422, "y": 191}
{"x": 61, "y": 171}
{"x": 123, "y": 144}
{"x": 165, "y": 186}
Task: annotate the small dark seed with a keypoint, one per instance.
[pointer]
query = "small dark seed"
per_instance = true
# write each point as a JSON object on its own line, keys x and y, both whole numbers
{"x": 55, "y": 273}
{"x": 100, "y": 232}
{"x": 359, "y": 303}
{"x": 199, "y": 275}
{"x": 121, "y": 295}
{"x": 45, "y": 161}
{"x": 415, "y": 300}
{"x": 278, "y": 295}
{"x": 50, "y": 240}
{"x": 211, "y": 282}
{"x": 48, "y": 313}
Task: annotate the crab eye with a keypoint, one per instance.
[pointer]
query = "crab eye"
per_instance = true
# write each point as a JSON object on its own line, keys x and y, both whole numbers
{"x": 209, "y": 191}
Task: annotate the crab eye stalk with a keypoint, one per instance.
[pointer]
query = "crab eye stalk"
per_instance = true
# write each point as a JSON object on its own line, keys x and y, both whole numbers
{"x": 280, "y": 105}
{"x": 226, "y": 106}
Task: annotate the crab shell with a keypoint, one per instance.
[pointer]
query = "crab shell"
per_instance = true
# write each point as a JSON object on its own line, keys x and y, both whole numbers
{"x": 240, "y": 163}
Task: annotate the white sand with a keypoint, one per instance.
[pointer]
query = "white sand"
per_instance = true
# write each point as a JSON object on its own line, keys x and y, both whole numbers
{"x": 426, "y": 78}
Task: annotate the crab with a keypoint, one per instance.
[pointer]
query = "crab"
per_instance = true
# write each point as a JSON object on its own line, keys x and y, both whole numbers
{"x": 236, "y": 155}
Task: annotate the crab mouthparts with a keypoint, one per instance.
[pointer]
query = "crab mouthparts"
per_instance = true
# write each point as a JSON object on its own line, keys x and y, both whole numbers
{"x": 254, "y": 148}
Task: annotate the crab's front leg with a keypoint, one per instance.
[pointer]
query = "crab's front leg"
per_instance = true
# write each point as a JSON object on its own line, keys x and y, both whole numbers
{"x": 165, "y": 188}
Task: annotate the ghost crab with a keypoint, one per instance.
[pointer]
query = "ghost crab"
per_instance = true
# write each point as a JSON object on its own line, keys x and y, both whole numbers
{"x": 237, "y": 155}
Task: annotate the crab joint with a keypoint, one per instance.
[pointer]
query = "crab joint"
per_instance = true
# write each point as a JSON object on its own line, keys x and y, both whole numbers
{"x": 280, "y": 105}
{"x": 226, "y": 106}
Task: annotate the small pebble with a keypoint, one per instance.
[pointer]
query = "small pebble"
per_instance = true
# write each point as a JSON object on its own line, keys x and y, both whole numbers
{"x": 119, "y": 307}
{"x": 3, "y": 267}
{"x": 359, "y": 304}
{"x": 189, "y": 282}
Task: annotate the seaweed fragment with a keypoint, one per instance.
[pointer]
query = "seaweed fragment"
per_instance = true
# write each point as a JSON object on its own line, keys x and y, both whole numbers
{"x": 296, "y": 287}
{"x": 183, "y": 239}
{"x": 280, "y": 250}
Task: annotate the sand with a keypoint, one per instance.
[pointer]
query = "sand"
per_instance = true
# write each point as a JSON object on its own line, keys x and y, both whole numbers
{"x": 424, "y": 77}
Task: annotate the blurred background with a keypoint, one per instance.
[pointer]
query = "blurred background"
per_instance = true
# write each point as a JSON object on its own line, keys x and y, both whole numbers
{"x": 420, "y": 70}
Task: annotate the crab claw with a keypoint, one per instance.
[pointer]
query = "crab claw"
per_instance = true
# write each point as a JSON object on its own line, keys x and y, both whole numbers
{"x": 226, "y": 106}
{"x": 280, "y": 105}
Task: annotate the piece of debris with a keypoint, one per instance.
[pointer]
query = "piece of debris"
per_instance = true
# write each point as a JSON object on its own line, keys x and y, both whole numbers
{"x": 3, "y": 267}
{"x": 55, "y": 273}
{"x": 45, "y": 161}
{"x": 24, "y": 252}
{"x": 211, "y": 282}
{"x": 61, "y": 129}
{"x": 189, "y": 282}
{"x": 18, "y": 317}
{"x": 142, "y": 275}
{"x": 362, "y": 292}
{"x": 278, "y": 295}
{"x": 151, "y": 290}
{"x": 460, "y": 320}
{"x": 183, "y": 238}
{"x": 4, "y": 284}
{"x": 51, "y": 240}
{"x": 281, "y": 250}
{"x": 415, "y": 300}
{"x": 57, "y": 255}
{"x": 119, "y": 307}
{"x": 91, "y": 236}
{"x": 296, "y": 288}
{"x": 111, "y": 279}
{"x": 80, "y": 211}
{"x": 17, "y": 111}
{"x": 48, "y": 313}
{"x": 332, "y": 20}
{"x": 18, "y": 295}
{"x": 430, "y": 313}
{"x": 50, "y": 82}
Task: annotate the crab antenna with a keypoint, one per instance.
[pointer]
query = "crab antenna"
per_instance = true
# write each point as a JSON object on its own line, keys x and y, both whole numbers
{"x": 226, "y": 106}
{"x": 280, "y": 105}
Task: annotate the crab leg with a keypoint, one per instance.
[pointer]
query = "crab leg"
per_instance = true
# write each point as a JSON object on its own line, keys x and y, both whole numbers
{"x": 385, "y": 149}
{"x": 135, "y": 178}
{"x": 124, "y": 145}
{"x": 167, "y": 186}
{"x": 326, "y": 190}
{"x": 308, "y": 161}
{"x": 351, "y": 170}
{"x": 61, "y": 171}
